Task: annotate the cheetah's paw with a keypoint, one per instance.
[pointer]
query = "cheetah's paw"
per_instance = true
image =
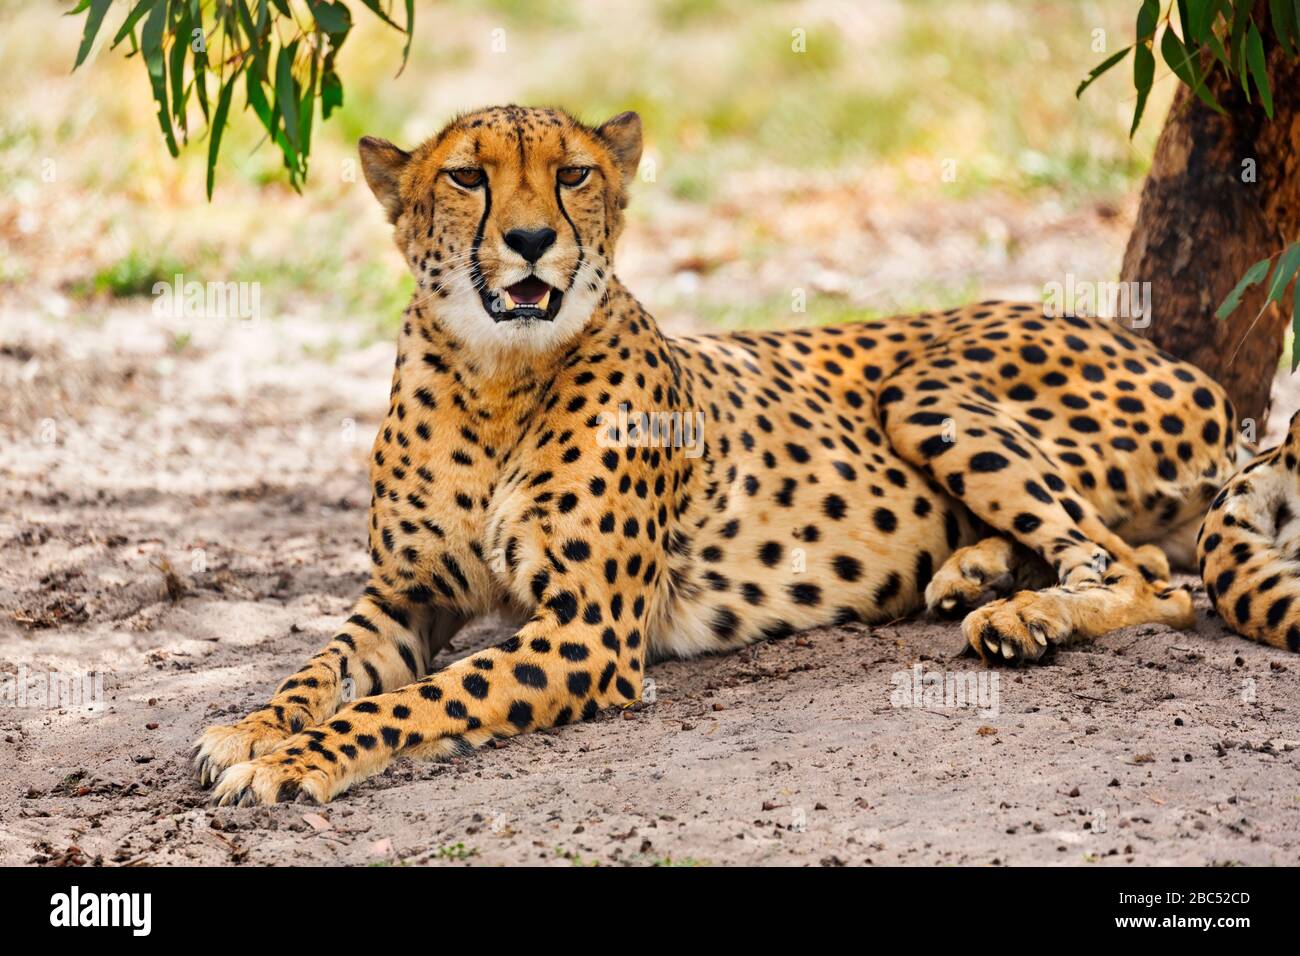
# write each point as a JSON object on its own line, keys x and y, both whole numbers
{"x": 970, "y": 578}
{"x": 224, "y": 745}
{"x": 1019, "y": 628}
{"x": 273, "y": 778}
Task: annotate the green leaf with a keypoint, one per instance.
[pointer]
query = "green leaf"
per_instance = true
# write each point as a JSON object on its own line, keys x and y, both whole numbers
{"x": 1198, "y": 27}
{"x": 286, "y": 92}
{"x": 151, "y": 46}
{"x": 331, "y": 18}
{"x": 200, "y": 65}
{"x": 1220, "y": 54}
{"x": 306, "y": 109}
{"x": 256, "y": 41}
{"x": 331, "y": 93}
{"x": 176, "y": 65}
{"x": 94, "y": 20}
{"x": 1144, "y": 62}
{"x": 257, "y": 100}
{"x": 1144, "y": 71}
{"x": 1237, "y": 40}
{"x": 1281, "y": 15}
{"x": 139, "y": 10}
{"x": 1100, "y": 69}
{"x": 1148, "y": 16}
{"x": 1295, "y": 328}
{"x": 1175, "y": 55}
{"x": 406, "y": 50}
{"x": 375, "y": 8}
{"x": 1254, "y": 275}
{"x": 217, "y": 127}
{"x": 1287, "y": 264}
{"x": 270, "y": 117}
{"x": 1258, "y": 68}
{"x": 1182, "y": 60}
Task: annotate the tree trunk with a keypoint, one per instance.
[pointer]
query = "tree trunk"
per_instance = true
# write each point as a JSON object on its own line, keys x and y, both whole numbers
{"x": 1203, "y": 222}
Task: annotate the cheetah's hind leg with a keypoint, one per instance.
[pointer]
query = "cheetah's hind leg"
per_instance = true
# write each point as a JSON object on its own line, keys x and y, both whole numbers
{"x": 1007, "y": 480}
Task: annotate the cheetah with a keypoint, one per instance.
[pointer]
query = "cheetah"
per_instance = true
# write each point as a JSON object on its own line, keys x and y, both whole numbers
{"x": 621, "y": 497}
{"x": 1249, "y": 547}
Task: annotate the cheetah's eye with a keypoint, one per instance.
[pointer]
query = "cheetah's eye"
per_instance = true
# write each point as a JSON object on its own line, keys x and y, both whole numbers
{"x": 573, "y": 175}
{"x": 470, "y": 178}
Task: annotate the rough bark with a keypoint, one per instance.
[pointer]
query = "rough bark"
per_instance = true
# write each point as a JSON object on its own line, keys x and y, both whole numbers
{"x": 1201, "y": 225}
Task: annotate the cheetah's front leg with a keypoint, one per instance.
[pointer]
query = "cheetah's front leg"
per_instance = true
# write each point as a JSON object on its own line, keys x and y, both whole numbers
{"x": 569, "y": 661}
{"x": 380, "y": 645}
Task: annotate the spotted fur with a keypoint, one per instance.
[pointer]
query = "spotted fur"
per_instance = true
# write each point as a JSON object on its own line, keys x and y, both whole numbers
{"x": 1249, "y": 547}
{"x": 848, "y": 473}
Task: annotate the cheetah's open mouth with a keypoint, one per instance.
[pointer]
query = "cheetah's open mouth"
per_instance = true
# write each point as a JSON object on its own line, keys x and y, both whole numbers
{"x": 529, "y": 298}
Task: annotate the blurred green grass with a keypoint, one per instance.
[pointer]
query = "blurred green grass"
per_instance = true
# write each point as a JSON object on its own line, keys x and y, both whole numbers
{"x": 879, "y": 89}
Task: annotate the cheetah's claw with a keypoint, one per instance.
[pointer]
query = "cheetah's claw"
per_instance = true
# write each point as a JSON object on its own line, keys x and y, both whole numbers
{"x": 224, "y": 745}
{"x": 1019, "y": 628}
{"x": 269, "y": 779}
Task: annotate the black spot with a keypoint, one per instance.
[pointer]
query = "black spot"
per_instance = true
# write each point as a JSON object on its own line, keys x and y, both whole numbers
{"x": 848, "y": 568}
{"x": 530, "y": 675}
{"x": 725, "y": 623}
{"x": 806, "y": 594}
{"x": 565, "y": 606}
{"x": 577, "y": 550}
{"x": 1025, "y": 523}
{"x": 889, "y": 589}
{"x": 1277, "y": 610}
{"x": 520, "y": 714}
{"x": 475, "y": 685}
{"x": 1242, "y": 607}
{"x": 987, "y": 461}
{"x": 579, "y": 683}
{"x": 884, "y": 520}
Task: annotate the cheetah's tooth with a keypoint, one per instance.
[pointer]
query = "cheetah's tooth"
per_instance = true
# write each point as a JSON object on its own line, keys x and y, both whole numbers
{"x": 509, "y": 302}
{"x": 545, "y": 300}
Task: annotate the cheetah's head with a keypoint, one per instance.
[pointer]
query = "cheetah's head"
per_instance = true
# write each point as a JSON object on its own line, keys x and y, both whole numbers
{"x": 508, "y": 219}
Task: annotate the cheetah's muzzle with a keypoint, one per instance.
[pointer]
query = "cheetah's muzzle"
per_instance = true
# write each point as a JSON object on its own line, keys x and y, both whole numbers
{"x": 529, "y": 299}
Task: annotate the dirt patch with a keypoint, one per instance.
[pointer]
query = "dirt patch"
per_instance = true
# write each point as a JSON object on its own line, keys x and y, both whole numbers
{"x": 1151, "y": 747}
{"x": 186, "y": 516}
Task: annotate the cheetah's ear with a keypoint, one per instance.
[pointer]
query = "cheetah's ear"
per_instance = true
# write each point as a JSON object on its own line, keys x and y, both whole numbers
{"x": 382, "y": 162}
{"x": 622, "y": 134}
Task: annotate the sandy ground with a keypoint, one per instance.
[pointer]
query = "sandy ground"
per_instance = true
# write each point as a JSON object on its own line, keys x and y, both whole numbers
{"x": 184, "y": 514}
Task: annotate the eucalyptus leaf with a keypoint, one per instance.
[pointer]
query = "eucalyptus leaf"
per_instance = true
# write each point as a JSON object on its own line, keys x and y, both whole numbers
{"x": 1101, "y": 68}
{"x": 1254, "y": 275}
{"x": 1259, "y": 68}
{"x": 218, "y": 127}
{"x": 151, "y": 36}
{"x": 1284, "y": 272}
{"x": 94, "y": 20}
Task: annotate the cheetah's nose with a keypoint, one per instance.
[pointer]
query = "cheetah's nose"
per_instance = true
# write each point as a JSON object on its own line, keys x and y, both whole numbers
{"x": 530, "y": 243}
